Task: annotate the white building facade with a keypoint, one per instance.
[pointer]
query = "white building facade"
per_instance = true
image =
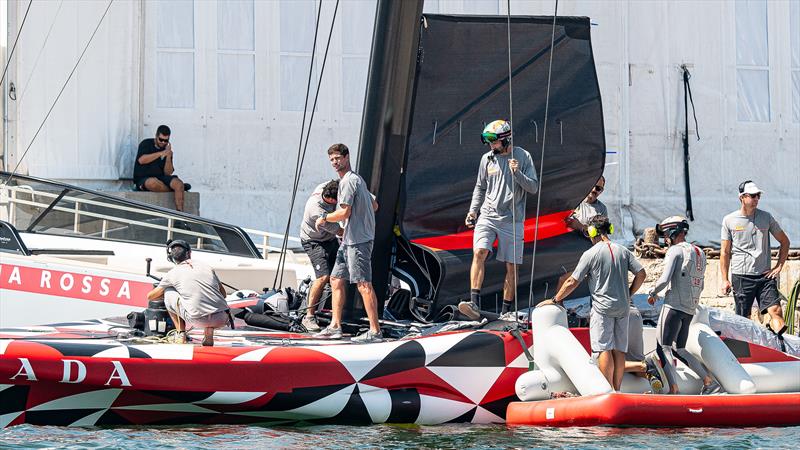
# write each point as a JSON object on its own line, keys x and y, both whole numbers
{"x": 229, "y": 78}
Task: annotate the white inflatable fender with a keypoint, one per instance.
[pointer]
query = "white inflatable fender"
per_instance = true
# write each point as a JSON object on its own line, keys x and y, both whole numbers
{"x": 560, "y": 358}
{"x": 704, "y": 344}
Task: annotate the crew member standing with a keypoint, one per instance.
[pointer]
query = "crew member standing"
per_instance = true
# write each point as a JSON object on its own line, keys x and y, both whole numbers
{"x": 354, "y": 257}
{"x": 590, "y": 206}
{"x": 745, "y": 254}
{"x": 607, "y": 265}
{"x": 684, "y": 273}
{"x": 502, "y": 212}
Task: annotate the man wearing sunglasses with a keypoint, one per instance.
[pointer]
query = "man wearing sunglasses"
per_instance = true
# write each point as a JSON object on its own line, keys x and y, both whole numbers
{"x": 502, "y": 211}
{"x": 591, "y": 206}
{"x": 745, "y": 254}
{"x": 153, "y": 170}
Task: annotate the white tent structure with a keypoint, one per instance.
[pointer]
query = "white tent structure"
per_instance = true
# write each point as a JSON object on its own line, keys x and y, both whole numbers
{"x": 229, "y": 77}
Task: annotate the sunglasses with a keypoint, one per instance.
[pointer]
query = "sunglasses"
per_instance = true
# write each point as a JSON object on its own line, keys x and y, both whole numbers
{"x": 166, "y": 141}
{"x": 487, "y": 138}
{"x": 754, "y": 195}
{"x": 598, "y": 188}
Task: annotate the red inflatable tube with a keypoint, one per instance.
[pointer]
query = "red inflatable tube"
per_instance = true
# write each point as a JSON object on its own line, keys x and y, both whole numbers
{"x": 620, "y": 409}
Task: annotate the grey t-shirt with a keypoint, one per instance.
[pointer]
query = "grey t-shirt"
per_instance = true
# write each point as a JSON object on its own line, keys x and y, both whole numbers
{"x": 749, "y": 236}
{"x": 586, "y": 211}
{"x": 315, "y": 206}
{"x": 492, "y": 194}
{"x": 607, "y": 265}
{"x": 198, "y": 286}
{"x": 360, "y": 226}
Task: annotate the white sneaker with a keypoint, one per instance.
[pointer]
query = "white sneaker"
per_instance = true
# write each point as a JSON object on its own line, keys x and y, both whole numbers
{"x": 368, "y": 337}
{"x": 329, "y": 333}
{"x": 310, "y": 322}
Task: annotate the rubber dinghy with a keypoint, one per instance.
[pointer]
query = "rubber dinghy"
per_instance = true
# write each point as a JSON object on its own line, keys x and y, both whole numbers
{"x": 763, "y": 391}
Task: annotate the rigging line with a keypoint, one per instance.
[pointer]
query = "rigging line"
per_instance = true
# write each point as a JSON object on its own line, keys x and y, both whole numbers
{"x": 302, "y": 156}
{"x": 285, "y": 243}
{"x": 14, "y": 47}
{"x": 39, "y": 55}
{"x": 313, "y": 112}
{"x": 541, "y": 162}
{"x": 513, "y": 185}
{"x": 55, "y": 102}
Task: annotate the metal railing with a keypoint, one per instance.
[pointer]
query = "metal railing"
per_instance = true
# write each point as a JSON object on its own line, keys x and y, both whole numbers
{"x": 11, "y": 201}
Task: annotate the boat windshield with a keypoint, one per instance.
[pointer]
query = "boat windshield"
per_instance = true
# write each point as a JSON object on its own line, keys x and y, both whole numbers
{"x": 41, "y": 206}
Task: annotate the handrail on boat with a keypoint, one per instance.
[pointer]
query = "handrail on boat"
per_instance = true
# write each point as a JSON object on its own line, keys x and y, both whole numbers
{"x": 261, "y": 241}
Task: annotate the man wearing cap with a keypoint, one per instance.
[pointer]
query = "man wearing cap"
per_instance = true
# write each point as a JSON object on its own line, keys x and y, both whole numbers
{"x": 745, "y": 254}
{"x": 505, "y": 175}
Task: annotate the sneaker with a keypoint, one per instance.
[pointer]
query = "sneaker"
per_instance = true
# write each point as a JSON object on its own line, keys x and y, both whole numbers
{"x": 310, "y": 322}
{"x": 470, "y": 310}
{"x": 712, "y": 389}
{"x": 329, "y": 333}
{"x": 655, "y": 374}
{"x": 368, "y": 337}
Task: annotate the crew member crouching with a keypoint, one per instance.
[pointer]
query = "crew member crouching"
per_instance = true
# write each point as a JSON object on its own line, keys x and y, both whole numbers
{"x": 192, "y": 293}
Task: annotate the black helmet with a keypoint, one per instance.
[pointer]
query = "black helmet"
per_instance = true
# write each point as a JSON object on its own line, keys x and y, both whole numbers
{"x": 177, "y": 249}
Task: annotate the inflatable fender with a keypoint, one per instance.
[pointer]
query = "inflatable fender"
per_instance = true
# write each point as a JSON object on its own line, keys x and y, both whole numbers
{"x": 556, "y": 348}
{"x": 704, "y": 344}
{"x": 540, "y": 384}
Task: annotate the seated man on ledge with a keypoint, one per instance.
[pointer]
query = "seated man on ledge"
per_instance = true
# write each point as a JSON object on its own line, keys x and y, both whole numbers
{"x": 153, "y": 170}
{"x": 192, "y": 294}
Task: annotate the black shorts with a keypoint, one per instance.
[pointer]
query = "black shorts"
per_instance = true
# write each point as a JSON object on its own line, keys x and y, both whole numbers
{"x": 746, "y": 288}
{"x": 322, "y": 255}
{"x": 166, "y": 179}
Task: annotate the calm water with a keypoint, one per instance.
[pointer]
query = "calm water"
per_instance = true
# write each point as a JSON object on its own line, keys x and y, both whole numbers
{"x": 459, "y": 436}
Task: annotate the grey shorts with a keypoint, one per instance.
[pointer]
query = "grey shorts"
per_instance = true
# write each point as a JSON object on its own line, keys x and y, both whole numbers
{"x": 487, "y": 230}
{"x": 354, "y": 262}
{"x": 608, "y": 333}
{"x": 172, "y": 300}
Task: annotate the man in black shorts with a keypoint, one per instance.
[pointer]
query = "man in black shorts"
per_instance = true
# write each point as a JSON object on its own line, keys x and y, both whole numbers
{"x": 320, "y": 244}
{"x": 745, "y": 253}
{"x": 153, "y": 170}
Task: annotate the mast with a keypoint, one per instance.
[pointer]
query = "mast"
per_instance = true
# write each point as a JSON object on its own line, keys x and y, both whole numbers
{"x": 385, "y": 125}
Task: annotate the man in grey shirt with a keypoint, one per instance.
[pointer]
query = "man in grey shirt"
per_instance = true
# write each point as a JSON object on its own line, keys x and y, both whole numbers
{"x": 192, "y": 293}
{"x": 354, "y": 257}
{"x": 505, "y": 175}
{"x": 320, "y": 244}
{"x": 745, "y": 253}
{"x": 684, "y": 272}
{"x": 607, "y": 265}
{"x": 590, "y": 206}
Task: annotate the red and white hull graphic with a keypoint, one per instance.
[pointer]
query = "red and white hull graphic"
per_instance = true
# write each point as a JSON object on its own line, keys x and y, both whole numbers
{"x": 33, "y": 292}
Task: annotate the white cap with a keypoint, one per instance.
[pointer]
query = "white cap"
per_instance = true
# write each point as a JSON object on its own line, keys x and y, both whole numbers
{"x": 750, "y": 188}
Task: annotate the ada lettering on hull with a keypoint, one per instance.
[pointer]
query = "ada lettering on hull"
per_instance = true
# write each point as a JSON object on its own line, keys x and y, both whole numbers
{"x": 73, "y": 285}
{"x": 74, "y": 372}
